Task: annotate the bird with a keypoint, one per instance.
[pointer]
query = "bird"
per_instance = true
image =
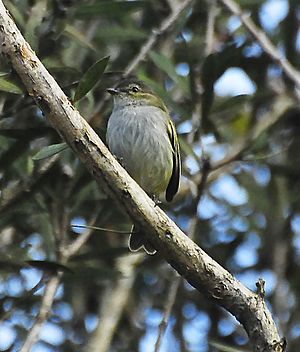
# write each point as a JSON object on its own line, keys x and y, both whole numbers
{"x": 141, "y": 134}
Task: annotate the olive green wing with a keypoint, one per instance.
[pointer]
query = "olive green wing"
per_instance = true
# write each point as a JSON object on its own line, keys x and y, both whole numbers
{"x": 174, "y": 180}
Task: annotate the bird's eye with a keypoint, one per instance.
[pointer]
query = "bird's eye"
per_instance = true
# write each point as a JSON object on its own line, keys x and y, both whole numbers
{"x": 135, "y": 89}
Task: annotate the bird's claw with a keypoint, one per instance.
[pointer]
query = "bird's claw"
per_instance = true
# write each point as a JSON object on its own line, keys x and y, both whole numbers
{"x": 120, "y": 160}
{"x": 155, "y": 200}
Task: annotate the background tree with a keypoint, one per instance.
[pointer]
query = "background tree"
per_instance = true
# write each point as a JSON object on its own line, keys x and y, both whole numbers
{"x": 242, "y": 140}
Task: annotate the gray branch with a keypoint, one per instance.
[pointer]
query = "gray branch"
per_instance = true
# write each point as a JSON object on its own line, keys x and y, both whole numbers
{"x": 182, "y": 253}
{"x": 44, "y": 312}
{"x": 164, "y": 27}
{"x": 114, "y": 300}
{"x": 263, "y": 41}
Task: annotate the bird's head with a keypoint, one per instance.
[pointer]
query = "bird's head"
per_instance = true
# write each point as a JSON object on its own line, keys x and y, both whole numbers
{"x": 134, "y": 92}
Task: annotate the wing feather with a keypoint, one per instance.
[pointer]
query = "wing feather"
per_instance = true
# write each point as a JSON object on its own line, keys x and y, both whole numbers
{"x": 174, "y": 180}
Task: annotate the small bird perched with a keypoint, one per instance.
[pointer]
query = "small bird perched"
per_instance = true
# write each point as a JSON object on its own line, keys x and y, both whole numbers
{"x": 141, "y": 134}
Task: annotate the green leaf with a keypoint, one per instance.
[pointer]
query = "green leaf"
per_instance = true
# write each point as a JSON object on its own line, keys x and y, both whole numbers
{"x": 225, "y": 348}
{"x": 105, "y": 8}
{"x": 164, "y": 63}
{"x": 50, "y": 150}
{"x": 231, "y": 104}
{"x": 91, "y": 78}
{"x": 37, "y": 15}
{"x": 15, "y": 12}
{"x": 188, "y": 150}
{"x": 168, "y": 66}
{"x": 117, "y": 33}
{"x": 213, "y": 68}
{"x": 45, "y": 265}
{"x": 77, "y": 35}
{"x": 7, "y": 85}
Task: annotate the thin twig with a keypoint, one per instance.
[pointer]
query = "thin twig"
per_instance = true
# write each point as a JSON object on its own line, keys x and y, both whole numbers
{"x": 252, "y": 158}
{"x": 201, "y": 186}
{"x": 156, "y": 33}
{"x": 71, "y": 249}
{"x": 104, "y": 229}
{"x": 43, "y": 314}
{"x": 263, "y": 40}
{"x": 167, "y": 310}
{"x": 210, "y": 27}
{"x": 66, "y": 253}
{"x": 21, "y": 191}
{"x": 280, "y": 106}
{"x": 22, "y": 299}
{"x": 114, "y": 300}
{"x": 235, "y": 156}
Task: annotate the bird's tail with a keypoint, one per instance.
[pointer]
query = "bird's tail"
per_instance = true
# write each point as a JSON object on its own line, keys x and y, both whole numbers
{"x": 137, "y": 241}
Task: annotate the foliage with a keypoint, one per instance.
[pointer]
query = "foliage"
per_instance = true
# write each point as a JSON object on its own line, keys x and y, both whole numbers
{"x": 247, "y": 217}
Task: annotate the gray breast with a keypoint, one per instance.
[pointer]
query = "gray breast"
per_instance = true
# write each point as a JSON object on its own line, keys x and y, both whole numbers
{"x": 138, "y": 135}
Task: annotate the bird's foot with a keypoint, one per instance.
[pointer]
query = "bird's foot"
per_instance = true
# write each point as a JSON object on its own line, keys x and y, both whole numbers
{"x": 120, "y": 160}
{"x": 156, "y": 199}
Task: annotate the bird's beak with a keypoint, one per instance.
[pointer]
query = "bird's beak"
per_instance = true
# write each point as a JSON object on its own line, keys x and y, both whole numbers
{"x": 113, "y": 91}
